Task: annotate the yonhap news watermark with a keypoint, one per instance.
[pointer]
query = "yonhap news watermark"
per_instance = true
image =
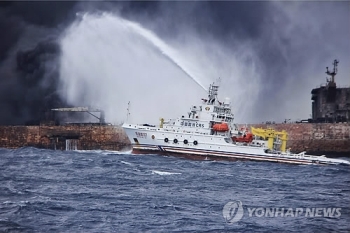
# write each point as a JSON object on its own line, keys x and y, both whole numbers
{"x": 234, "y": 211}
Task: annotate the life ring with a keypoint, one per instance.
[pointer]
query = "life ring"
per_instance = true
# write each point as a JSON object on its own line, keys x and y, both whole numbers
{"x": 185, "y": 141}
{"x": 166, "y": 140}
{"x": 175, "y": 140}
{"x": 195, "y": 143}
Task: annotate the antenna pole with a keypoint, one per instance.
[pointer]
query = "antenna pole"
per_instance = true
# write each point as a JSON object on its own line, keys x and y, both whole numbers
{"x": 128, "y": 112}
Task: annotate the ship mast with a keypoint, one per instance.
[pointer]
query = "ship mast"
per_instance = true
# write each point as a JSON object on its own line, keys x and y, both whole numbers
{"x": 335, "y": 70}
{"x": 213, "y": 93}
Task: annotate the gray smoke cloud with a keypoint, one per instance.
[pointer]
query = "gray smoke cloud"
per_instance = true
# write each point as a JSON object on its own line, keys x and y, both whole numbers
{"x": 297, "y": 46}
{"x": 269, "y": 55}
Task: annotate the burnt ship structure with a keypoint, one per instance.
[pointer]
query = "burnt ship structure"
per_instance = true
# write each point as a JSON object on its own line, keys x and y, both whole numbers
{"x": 330, "y": 104}
{"x": 67, "y": 129}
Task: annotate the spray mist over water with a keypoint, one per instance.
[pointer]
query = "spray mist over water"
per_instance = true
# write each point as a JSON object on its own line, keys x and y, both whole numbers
{"x": 107, "y": 61}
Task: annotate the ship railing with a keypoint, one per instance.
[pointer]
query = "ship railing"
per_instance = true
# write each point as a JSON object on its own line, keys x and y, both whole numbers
{"x": 299, "y": 155}
{"x": 311, "y": 156}
{"x": 325, "y": 84}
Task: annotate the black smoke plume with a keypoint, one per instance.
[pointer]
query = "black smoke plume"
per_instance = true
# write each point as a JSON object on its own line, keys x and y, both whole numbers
{"x": 28, "y": 59}
{"x": 293, "y": 41}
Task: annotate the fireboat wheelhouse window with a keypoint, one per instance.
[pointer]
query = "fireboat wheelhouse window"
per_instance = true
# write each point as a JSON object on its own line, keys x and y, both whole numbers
{"x": 218, "y": 110}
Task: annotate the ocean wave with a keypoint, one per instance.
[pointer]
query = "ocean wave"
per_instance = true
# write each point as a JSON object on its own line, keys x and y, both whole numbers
{"x": 164, "y": 173}
{"x": 127, "y": 163}
{"x": 65, "y": 191}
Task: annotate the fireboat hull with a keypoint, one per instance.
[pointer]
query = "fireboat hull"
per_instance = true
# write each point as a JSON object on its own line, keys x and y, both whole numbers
{"x": 152, "y": 140}
{"x": 213, "y": 155}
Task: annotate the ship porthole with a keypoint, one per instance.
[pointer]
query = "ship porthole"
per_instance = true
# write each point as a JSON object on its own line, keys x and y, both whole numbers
{"x": 152, "y": 136}
{"x": 166, "y": 140}
{"x": 175, "y": 140}
{"x": 185, "y": 141}
{"x": 195, "y": 143}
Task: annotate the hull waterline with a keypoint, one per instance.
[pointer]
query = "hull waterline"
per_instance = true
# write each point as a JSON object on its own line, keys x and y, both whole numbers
{"x": 219, "y": 156}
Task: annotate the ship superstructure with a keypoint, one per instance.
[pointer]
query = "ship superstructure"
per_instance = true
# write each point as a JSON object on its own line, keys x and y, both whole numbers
{"x": 205, "y": 119}
{"x": 330, "y": 104}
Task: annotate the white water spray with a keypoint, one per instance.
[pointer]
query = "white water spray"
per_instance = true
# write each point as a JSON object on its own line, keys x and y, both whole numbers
{"x": 167, "y": 51}
{"x": 108, "y": 61}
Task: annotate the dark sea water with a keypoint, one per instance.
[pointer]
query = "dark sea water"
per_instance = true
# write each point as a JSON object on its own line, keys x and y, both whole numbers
{"x": 102, "y": 191}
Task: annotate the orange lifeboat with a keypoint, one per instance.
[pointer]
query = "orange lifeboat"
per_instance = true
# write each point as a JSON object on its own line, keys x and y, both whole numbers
{"x": 248, "y": 137}
{"x": 220, "y": 127}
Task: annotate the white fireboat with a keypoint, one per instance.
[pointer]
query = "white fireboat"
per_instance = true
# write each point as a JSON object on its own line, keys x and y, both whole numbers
{"x": 208, "y": 132}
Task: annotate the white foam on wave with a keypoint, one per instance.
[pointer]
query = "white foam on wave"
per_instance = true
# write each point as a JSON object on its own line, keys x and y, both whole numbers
{"x": 104, "y": 152}
{"x": 163, "y": 173}
{"x": 126, "y": 152}
{"x": 127, "y": 163}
